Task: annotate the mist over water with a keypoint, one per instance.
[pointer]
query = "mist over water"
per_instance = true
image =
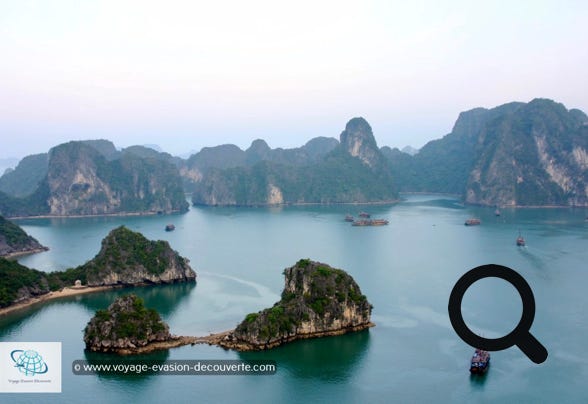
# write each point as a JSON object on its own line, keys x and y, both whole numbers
{"x": 407, "y": 270}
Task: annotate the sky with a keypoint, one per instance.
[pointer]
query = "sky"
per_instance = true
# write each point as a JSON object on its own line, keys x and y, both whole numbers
{"x": 189, "y": 74}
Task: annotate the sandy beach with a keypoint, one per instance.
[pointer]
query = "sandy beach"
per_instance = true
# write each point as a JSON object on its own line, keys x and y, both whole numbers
{"x": 65, "y": 292}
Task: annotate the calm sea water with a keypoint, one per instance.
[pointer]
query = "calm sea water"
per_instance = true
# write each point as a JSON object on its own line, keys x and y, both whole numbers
{"x": 406, "y": 269}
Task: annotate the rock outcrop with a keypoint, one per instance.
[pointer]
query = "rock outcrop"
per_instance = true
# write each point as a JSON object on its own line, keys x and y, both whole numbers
{"x": 516, "y": 154}
{"x": 92, "y": 178}
{"x": 14, "y": 241}
{"x": 125, "y": 325}
{"x": 358, "y": 140}
{"x": 127, "y": 258}
{"x": 534, "y": 155}
{"x": 317, "y": 301}
{"x": 84, "y": 182}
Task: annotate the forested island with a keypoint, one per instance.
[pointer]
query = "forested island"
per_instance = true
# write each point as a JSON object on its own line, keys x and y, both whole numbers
{"x": 126, "y": 259}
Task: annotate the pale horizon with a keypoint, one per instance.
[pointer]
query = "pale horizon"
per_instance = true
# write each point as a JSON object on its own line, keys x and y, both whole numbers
{"x": 186, "y": 75}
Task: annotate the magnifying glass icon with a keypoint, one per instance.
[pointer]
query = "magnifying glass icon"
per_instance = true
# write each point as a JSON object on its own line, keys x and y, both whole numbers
{"x": 520, "y": 336}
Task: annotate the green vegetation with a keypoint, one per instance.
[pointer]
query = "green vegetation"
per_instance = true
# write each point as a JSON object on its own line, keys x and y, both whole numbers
{"x": 303, "y": 263}
{"x": 14, "y": 277}
{"x": 14, "y": 240}
{"x": 504, "y": 156}
{"x": 26, "y": 177}
{"x": 328, "y": 290}
{"x": 123, "y": 251}
{"x": 251, "y": 317}
{"x": 339, "y": 178}
{"x": 31, "y": 205}
{"x": 113, "y": 182}
{"x": 126, "y": 318}
{"x": 336, "y": 177}
{"x": 13, "y": 234}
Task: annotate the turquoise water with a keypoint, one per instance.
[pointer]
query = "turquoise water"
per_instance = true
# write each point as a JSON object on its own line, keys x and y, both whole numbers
{"x": 407, "y": 269}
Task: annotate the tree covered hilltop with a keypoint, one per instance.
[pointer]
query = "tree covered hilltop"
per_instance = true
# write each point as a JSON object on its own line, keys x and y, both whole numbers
{"x": 317, "y": 301}
{"x": 126, "y": 259}
{"x": 125, "y": 325}
{"x": 14, "y": 241}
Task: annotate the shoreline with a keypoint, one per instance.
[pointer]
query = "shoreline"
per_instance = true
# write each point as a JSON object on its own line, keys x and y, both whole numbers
{"x": 286, "y": 204}
{"x": 23, "y": 253}
{"x": 53, "y": 295}
{"x": 121, "y": 214}
{"x": 282, "y": 205}
{"x": 224, "y": 340}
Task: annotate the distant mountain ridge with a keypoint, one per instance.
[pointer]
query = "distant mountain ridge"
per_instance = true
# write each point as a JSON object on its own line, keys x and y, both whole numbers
{"x": 516, "y": 154}
{"x": 231, "y": 156}
{"x": 354, "y": 171}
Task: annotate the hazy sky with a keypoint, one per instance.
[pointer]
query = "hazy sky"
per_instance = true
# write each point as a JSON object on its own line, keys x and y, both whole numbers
{"x": 188, "y": 74}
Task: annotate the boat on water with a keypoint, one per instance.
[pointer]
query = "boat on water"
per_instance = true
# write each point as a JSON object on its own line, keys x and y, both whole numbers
{"x": 472, "y": 222}
{"x": 170, "y": 227}
{"x": 520, "y": 240}
{"x": 349, "y": 218}
{"x": 370, "y": 222}
{"x": 365, "y": 215}
{"x": 497, "y": 212}
{"x": 480, "y": 362}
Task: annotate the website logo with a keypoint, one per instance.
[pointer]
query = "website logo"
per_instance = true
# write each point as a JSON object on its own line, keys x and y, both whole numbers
{"x": 29, "y": 362}
{"x": 30, "y": 367}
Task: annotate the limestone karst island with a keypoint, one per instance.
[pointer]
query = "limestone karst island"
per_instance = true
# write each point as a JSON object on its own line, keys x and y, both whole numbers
{"x": 317, "y": 301}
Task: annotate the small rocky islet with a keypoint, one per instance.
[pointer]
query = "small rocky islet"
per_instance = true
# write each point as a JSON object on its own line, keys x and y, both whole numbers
{"x": 317, "y": 301}
{"x": 126, "y": 325}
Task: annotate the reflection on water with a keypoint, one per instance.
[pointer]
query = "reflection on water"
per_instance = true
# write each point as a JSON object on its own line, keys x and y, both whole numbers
{"x": 535, "y": 261}
{"x": 433, "y": 202}
{"x": 164, "y": 298}
{"x": 478, "y": 382}
{"x": 333, "y": 359}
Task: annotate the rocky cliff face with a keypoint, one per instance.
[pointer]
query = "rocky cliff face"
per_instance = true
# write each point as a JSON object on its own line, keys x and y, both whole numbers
{"x": 75, "y": 187}
{"x": 317, "y": 301}
{"x": 126, "y": 324}
{"x": 14, "y": 241}
{"x": 93, "y": 178}
{"x": 358, "y": 140}
{"x": 517, "y": 154}
{"x": 534, "y": 155}
{"x": 128, "y": 258}
{"x": 83, "y": 182}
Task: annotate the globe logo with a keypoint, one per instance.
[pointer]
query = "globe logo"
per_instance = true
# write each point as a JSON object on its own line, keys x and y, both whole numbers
{"x": 28, "y": 362}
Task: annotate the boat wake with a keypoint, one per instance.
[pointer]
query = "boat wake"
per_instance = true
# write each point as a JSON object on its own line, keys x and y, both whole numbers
{"x": 261, "y": 292}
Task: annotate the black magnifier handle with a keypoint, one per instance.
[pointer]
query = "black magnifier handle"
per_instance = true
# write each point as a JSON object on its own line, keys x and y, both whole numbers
{"x": 532, "y": 348}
